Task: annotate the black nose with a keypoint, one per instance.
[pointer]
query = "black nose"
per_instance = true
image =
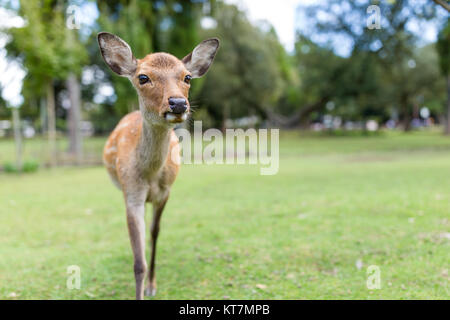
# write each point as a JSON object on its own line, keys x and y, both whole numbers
{"x": 178, "y": 105}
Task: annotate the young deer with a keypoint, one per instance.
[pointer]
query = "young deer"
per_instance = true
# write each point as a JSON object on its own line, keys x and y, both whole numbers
{"x": 142, "y": 153}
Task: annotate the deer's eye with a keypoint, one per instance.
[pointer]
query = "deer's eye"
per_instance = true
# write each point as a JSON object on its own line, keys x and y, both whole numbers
{"x": 143, "y": 79}
{"x": 187, "y": 79}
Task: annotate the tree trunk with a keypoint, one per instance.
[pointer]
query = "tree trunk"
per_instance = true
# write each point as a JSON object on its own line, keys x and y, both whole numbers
{"x": 298, "y": 118}
{"x": 443, "y": 4}
{"x": 405, "y": 112}
{"x": 17, "y": 138}
{"x": 51, "y": 123}
{"x": 43, "y": 116}
{"x": 74, "y": 118}
{"x": 225, "y": 116}
{"x": 447, "y": 123}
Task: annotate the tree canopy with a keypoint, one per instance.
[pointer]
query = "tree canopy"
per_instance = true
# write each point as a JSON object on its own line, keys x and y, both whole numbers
{"x": 340, "y": 65}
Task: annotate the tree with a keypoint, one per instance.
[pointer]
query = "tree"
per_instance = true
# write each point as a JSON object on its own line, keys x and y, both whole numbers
{"x": 391, "y": 46}
{"x": 17, "y": 137}
{"x": 443, "y": 49}
{"x": 247, "y": 77}
{"x": 133, "y": 21}
{"x": 47, "y": 54}
{"x": 170, "y": 26}
{"x": 443, "y": 4}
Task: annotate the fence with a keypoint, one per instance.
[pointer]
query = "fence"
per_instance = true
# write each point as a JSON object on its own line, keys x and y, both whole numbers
{"x": 37, "y": 149}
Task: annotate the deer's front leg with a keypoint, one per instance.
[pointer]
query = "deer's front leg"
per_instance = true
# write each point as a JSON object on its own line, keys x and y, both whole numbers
{"x": 136, "y": 229}
{"x": 154, "y": 231}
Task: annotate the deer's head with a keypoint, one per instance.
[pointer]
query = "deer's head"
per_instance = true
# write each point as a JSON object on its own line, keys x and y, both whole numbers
{"x": 162, "y": 81}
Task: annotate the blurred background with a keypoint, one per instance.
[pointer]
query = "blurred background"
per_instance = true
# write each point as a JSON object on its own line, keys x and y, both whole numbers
{"x": 359, "y": 90}
{"x": 338, "y": 67}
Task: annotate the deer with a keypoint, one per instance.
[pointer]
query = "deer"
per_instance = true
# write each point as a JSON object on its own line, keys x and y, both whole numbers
{"x": 142, "y": 153}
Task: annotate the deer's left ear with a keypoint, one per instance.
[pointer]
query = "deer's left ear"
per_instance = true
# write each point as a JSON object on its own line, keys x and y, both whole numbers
{"x": 199, "y": 60}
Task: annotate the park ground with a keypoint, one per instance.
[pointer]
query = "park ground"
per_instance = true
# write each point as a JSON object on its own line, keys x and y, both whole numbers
{"x": 337, "y": 206}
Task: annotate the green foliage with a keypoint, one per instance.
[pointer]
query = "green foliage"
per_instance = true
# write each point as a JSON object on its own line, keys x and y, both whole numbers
{"x": 30, "y": 166}
{"x": 10, "y": 167}
{"x": 133, "y": 21}
{"x": 49, "y": 49}
{"x": 27, "y": 167}
{"x": 319, "y": 68}
{"x": 49, "y": 52}
{"x": 147, "y": 26}
{"x": 182, "y": 35}
{"x": 104, "y": 118}
{"x": 386, "y": 73}
{"x": 350, "y": 133}
{"x": 253, "y": 74}
{"x": 443, "y": 48}
{"x": 202, "y": 114}
{"x": 250, "y": 71}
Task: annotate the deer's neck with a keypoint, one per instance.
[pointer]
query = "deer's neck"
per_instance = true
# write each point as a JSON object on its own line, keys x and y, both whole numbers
{"x": 153, "y": 146}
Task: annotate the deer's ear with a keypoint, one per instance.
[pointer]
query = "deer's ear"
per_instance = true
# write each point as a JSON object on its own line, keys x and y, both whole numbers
{"x": 117, "y": 54}
{"x": 199, "y": 60}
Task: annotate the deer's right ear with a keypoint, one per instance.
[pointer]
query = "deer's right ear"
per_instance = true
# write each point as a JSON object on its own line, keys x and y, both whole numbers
{"x": 117, "y": 54}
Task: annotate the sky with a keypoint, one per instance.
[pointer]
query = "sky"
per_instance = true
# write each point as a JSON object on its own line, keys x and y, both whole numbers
{"x": 11, "y": 73}
{"x": 286, "y": 19}
{"x": 282, "y": 14}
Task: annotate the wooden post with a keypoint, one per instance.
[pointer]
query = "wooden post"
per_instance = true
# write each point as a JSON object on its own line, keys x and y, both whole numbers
{"x": 447, "y": 124}
{"x": 43, "y": 116}
{"x": 17, "y": 137}
{"x": 51, "y": 124}
{"x": 74, "y": 118}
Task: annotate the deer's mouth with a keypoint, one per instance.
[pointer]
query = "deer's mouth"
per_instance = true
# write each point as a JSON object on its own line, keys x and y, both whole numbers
{"x": 175, "y": 117}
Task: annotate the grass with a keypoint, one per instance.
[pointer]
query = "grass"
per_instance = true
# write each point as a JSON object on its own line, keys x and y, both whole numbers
{"x": 36, "y": 149}
{"x": 337, "y": 206}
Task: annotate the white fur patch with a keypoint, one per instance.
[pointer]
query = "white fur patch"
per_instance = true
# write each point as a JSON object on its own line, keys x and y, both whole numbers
{"x": 123, "y": 140}
{"x": 170, "y": 117}
{"x": 123, "y": 125}
{"x": 111, "y": 150}
{"x": 173, "y": 138}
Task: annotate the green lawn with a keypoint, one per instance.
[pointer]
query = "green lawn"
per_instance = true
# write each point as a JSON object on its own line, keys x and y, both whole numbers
{"x": 337, "y": 205}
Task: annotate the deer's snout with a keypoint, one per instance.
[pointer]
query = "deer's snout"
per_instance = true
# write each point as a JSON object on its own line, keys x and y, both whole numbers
{"x": 178, "y": 105}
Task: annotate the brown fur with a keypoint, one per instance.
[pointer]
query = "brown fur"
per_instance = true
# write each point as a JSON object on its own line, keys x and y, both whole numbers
{"x": 142, "y": 153}
{"x": 120, "y": 152}
{"x": 167, "y": 75}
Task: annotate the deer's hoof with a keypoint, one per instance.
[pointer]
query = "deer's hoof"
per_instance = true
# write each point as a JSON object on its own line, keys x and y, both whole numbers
{"x": 150, "y": 292}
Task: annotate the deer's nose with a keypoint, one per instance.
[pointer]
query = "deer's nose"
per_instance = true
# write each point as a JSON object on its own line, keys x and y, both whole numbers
{"x": 178, "y": 105}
